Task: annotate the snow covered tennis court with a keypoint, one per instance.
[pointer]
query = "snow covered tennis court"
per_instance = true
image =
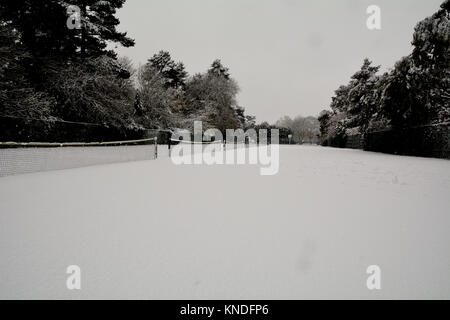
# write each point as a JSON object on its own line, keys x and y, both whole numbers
{"x": 151, "y": 229}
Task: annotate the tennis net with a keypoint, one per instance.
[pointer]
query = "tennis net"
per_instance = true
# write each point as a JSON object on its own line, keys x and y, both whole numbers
{"x": 19, "y": 158}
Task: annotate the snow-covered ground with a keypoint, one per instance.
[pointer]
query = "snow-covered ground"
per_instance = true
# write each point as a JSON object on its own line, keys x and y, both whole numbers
{"x": 151, "y": 229}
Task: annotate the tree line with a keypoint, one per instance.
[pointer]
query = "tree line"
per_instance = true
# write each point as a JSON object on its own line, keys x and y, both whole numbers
{"x": 51, "y": 74}
{"x": 414, "y": 93}
{"x": 302, "y": 129}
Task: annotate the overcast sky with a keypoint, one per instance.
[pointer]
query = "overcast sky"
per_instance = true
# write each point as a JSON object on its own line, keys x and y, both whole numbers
{"x": 288, "y": 56}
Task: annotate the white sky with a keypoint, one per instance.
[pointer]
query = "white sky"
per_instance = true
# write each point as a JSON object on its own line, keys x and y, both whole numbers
{"x": 288, "y": 56}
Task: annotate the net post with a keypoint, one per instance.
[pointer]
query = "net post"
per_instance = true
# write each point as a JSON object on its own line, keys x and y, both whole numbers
{"x": 156, "y": 147}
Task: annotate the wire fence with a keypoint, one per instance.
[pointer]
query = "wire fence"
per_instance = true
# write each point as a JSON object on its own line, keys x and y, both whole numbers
{"x": 49, "y": 130}
{"x": 425, "y": 141}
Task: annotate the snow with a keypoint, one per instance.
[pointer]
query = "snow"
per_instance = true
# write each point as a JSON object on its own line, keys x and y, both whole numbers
{"x": 154, "y": 230}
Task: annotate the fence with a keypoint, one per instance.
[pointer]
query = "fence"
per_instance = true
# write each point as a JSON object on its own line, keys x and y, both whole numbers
{"x": 29, "y": 129}
{"x": 425, "y": 141}
{"x": 354, "y": 142}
